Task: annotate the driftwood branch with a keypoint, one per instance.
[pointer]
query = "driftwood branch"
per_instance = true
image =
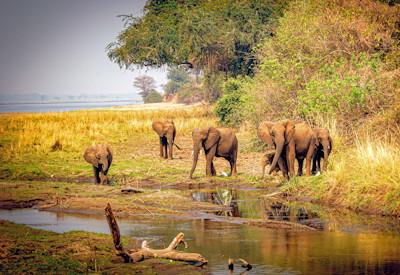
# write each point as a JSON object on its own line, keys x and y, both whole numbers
{"x": 146, "y": 252}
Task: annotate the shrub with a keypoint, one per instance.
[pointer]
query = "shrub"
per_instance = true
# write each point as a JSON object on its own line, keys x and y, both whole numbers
{"x": 153, "y": 97}
{"x": 328, "y": 58}
{"x": 230, "y": 107}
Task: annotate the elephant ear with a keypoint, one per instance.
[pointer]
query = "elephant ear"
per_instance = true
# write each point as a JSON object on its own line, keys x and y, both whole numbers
{"x": 212, "y": 138}
{"x": 158, "y": 127}
{"x": 109, "y": 155}
{"x": 91, "y": 157}
{"x": 289, "y": 130}
{"x": 331, "y": 143}
{"x": 263, "y": 132}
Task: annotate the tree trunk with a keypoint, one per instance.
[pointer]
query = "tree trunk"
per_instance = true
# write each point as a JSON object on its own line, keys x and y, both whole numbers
{"x": 145, "y": 251}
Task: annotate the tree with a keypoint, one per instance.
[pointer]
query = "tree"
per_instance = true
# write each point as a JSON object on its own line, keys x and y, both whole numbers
{"x": 145, "y": 84}
{"x": 213, "y": 36}
{"x": 153, "y": 97}
{"x": 177, "y": 77}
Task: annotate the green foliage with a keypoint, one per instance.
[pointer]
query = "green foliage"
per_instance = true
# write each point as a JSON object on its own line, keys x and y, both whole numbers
{"x": 334, "y": 89}
{"x": 215, "y": 36}
{"x": 153, "y": 97}
{"x": 177, "y": 77}
{"x": 230, "y": 107}
{"x": 330, "y": 59}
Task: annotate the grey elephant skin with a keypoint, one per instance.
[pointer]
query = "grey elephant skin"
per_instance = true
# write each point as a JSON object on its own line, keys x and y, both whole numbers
{"x": 216, "y": 142}
{"x": 166, "y": 131}
{"x": 324, "y": 145}
{"x": 291, "y": 141}
{"x": 100, "y": 157}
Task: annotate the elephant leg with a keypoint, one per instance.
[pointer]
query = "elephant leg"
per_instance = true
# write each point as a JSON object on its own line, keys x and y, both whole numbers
{"x": 165, "y": 150}
{"x": 283, "y": 167}
{"x": 170, "y": 147}
{"x": 319, "y": 164}
{"x": 314, "y": 164}
{"x": 232, "y": 162}
{"x": 213, "y": 171}
{"x": 96, "y": 172}
{"x": 161, "y": 148}
{"x": 309, "y": 158}
{"x": 300, "y": 169}
{"x": 209, "y": 160}
{"x": 290, "y": 156}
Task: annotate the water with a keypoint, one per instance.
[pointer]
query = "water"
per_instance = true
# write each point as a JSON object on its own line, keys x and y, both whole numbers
{"x": 270, "y": 251}
{"x": 59, "y": 107}
{"x": 255, "y": 205}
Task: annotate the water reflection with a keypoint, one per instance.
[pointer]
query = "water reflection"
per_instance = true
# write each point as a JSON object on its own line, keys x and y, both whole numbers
{"x": 256, "y": 205}
{"x": 270, "y": 251}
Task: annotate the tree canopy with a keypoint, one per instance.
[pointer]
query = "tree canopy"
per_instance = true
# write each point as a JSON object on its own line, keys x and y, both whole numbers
{"x": 215, "y": 35}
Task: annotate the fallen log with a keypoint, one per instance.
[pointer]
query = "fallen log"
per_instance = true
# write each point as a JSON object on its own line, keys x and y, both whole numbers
{"x": 145, "y": 252}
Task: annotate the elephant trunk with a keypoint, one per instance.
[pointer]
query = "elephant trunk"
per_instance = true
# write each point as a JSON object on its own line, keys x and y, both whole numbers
{"x": 196, "y": 151}
{"x": 326, "y": 149}
{"x": 104, "y": 164}
{"x": 278, "y": 152}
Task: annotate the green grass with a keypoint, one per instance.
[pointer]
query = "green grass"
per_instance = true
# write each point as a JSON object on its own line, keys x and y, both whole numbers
{"x": 32, "y": 251}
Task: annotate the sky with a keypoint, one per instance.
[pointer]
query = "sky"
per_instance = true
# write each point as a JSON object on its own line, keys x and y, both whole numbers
{"x": 57, "y": 47}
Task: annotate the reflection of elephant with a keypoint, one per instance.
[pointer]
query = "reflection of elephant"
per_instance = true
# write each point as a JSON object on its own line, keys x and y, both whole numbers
{"x": 323, "y": 149}
{"x": 166, "y": 131}
{"x": 291, "y": 141}
{"x": 216, "y": 142}
{"x": 267, "y": 159}
{"x": 100, "y": 156}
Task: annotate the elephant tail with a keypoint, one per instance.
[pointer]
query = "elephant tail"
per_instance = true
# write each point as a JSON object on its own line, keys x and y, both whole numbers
{"x": 179, "y": 148}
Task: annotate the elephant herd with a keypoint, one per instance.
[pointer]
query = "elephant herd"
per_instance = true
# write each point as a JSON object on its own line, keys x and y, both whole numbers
{"x": 291, "y": 141}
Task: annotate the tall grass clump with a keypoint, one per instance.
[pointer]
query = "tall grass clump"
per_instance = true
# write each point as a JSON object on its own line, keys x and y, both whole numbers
{"x": 365, "y": 177}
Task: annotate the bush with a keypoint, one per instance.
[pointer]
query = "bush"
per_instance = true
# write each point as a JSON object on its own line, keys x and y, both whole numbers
{"x": 230, "y": 107}
{"x": 153, "y": 97}
{"x": 328, "y": 58}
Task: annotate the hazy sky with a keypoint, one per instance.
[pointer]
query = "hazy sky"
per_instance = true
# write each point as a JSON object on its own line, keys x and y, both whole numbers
{"x": 58, "y": 47}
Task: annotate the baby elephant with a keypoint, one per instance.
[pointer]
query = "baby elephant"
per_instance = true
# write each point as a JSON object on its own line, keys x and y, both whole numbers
{"x": 267, "y": 159}
{"x": 323, "y": 148}
{"x": 100, "y": 156}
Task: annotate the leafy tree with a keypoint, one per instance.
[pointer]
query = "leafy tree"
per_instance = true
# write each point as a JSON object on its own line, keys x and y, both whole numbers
{"x": 213, "y": 36}
{"x": 177, "y": 77}
{"x": 153, "y": 97}
{"x": 145, "y": 84}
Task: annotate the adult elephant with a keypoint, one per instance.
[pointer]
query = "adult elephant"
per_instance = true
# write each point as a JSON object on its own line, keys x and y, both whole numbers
{"x": 216, "y": 142}
{"x": 166, "y": 131}
{"x": 324, "y": 146}
{"x": 292, "y": 141}
{"x": 100, "y": 157}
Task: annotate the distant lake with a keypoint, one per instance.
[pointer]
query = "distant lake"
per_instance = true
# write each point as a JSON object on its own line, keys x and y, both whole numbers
{"x": 60, "y": 106}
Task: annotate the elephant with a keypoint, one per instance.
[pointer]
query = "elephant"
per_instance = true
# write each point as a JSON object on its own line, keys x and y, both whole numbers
{"x": 292, "y": 141}
{"x": 267, "y": 159}
{"x": 100, "y": 157}
{"x": 216, "y": 142}
{"x": 324, "y": 146}
{"x": 166, "y": 131}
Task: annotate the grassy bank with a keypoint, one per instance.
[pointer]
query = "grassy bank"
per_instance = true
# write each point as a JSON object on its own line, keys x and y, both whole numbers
{"x": 25, "y": 250}
{"x": 363, "y": 177}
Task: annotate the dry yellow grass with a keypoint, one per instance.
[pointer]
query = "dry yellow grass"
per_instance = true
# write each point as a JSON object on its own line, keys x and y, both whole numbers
{"x": 36, "y": 133}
